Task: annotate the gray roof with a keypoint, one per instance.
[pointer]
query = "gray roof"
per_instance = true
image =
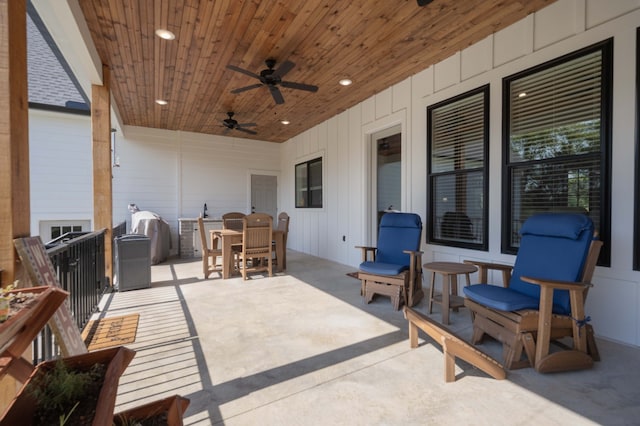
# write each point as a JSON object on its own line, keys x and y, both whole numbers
{"x": 49, "y": 82}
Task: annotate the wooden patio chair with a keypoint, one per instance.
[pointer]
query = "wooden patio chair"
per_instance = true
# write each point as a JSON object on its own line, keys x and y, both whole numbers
{"x": 209, "y": 255}
{"x": 233, "y": 220}
{"x": 394, "y": 268}
{"x": 283, "y": 225}
{"x": 543, "y": 296}
{"x": 257, "y": 244}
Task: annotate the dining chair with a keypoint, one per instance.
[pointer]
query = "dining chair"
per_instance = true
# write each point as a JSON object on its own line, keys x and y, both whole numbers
{"x": 233, "y": 220}
{"x": 209, "y": 255}
{"x": 257, "y": 244}
{"x": 283, "y": 225}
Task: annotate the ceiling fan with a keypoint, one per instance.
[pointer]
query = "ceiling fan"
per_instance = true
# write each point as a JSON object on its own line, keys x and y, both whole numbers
{"x": 272, "y": 78}
{"x": 232, "y": 124}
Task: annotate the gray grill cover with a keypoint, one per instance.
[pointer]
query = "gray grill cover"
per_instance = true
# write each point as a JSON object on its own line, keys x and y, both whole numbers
{"x": 157, "y": 229}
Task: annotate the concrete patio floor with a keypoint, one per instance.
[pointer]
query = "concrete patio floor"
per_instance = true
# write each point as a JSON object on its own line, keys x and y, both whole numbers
{"x": 302, "y": 348}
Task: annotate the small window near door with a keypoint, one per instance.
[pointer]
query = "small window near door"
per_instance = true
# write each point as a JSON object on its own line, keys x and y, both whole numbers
{"x": 309, "y": 184}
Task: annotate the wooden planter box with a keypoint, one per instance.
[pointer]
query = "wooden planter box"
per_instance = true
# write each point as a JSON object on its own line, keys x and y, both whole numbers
{"x": 22, "y": 408}
{"x": 17, "y": 333}
{"x": 174, "y": 407}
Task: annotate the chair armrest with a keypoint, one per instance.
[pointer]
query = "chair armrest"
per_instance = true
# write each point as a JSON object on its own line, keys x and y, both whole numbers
{"x": 365, "y": 253}
{"x": 484, "y": 267}
{"x": 556, "y": 284}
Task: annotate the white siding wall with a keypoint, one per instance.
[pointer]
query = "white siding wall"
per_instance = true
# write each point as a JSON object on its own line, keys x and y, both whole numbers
{"x": 562, "y": 27}
{"x": 175, "y": 173}
{"x": 60, "y": 167}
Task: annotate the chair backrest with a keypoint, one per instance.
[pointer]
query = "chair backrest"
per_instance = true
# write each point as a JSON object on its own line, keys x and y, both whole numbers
{"x": 283, "y": 222}
{"x": 398, "y": 232}
{"x": 456, "y": 225}
{"x": 257, "y": 231}
{"x": 553, "y": 246}
{"x": 203, "y": 236}
{"x": 232, "y": 220}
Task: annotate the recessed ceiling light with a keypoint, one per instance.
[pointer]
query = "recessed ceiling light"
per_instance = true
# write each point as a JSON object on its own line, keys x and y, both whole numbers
{"x": 165, "y": 34}
{"x": 522, "y": 94}
{"x": 161, "y": 102}
{"x": 285, "y": 122}
{"x": 345, "y": 82}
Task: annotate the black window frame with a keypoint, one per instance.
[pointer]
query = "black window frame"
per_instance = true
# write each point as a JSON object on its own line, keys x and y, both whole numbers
{"x": 636, "y": 207}
{"x": 306, "y": 202}
{"x": 433, "y": 232}
{"x": 606, "y": 120}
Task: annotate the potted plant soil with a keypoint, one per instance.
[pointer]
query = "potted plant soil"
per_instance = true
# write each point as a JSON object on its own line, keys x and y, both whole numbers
{"x": 89, "y": 382}
{"x": 165, "y": 412}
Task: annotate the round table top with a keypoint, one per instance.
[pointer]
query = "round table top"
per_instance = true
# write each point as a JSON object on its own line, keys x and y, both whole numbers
{"x": 450, "y": 267}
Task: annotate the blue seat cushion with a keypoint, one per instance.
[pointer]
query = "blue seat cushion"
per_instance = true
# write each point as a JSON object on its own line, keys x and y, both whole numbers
{"x": 500, "y": 298}
{"x": 553, "y": 246}
{"x": 381, "y": 268}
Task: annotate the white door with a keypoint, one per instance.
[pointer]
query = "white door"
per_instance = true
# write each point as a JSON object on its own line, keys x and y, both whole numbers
{"x": 264, "y": 194}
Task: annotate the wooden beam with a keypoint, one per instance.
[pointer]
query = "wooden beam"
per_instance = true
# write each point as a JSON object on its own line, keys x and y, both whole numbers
{"x": 102, "y": 192}
{"x": 15, "y": 213}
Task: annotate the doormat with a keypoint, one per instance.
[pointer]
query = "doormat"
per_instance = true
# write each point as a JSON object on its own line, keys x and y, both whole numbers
{"x": 112, "y": 331}
{"x": 353, "y": 275}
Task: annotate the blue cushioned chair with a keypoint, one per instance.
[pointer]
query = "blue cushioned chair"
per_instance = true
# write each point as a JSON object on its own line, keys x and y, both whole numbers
{"x": 394, "y": 268}
{"x": 543, "y": 295}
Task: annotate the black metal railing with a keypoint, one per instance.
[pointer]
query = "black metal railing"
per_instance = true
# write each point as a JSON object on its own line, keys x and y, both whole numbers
{"x": 79, "y": 261}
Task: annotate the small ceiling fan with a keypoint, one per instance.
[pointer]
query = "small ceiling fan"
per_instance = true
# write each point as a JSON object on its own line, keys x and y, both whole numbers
{"x": 232, "y": 124}
{"x": 272, "y": 78}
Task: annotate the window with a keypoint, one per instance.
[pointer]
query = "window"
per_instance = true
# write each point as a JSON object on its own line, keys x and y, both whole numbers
{"x": 557, "y": 138}
{"x": 636, "y": 212}
{"x": 458, "y": 133}
{"x": 309, "y": 184}
{"x": 52, "y": 229}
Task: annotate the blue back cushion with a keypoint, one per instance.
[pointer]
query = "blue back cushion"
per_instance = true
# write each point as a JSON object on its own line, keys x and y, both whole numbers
{"x": 553, "y": 246}
{"x": 398, "y": 232}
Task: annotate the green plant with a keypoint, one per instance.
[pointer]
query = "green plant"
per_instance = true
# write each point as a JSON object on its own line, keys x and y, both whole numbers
{"x": 61, "y": 391}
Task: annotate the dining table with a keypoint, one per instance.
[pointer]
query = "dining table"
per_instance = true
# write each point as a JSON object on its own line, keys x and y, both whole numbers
{"x": 229, "y": 237}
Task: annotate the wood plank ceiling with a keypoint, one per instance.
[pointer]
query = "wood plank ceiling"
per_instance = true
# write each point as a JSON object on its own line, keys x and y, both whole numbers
{"x": 375, "y": 43}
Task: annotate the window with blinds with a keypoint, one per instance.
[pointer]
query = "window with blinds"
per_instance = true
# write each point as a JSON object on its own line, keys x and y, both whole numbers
{"x": 309, "y": 184}
{"x": 458, "y": 130}
{"x": 557, "y": 134}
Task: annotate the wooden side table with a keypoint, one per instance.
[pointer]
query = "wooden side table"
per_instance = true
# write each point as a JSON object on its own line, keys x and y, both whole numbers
{"x": 449, "y": 298}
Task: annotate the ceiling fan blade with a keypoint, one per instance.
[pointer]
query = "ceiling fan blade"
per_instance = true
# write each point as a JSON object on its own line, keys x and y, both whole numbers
{"x": 284, "y": 68}
{"x": 299, "y": 86}
{"x": 247, "y": 124}
{"x": 244, "y": 89}
{"x": 226, "y": 130}
{"x": 243, "y": 71}
{"x": 251, "y": 132}
{"x": 277, "y": 96}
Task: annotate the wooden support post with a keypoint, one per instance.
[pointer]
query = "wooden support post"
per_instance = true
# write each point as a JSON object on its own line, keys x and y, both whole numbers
{"x": 15, "y": 213}
{"x": 102, "y": 190}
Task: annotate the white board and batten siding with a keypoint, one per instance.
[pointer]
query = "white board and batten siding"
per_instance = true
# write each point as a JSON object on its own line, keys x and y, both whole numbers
{"x": 561, "y": 28}
{"x": 175, "y": 173}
